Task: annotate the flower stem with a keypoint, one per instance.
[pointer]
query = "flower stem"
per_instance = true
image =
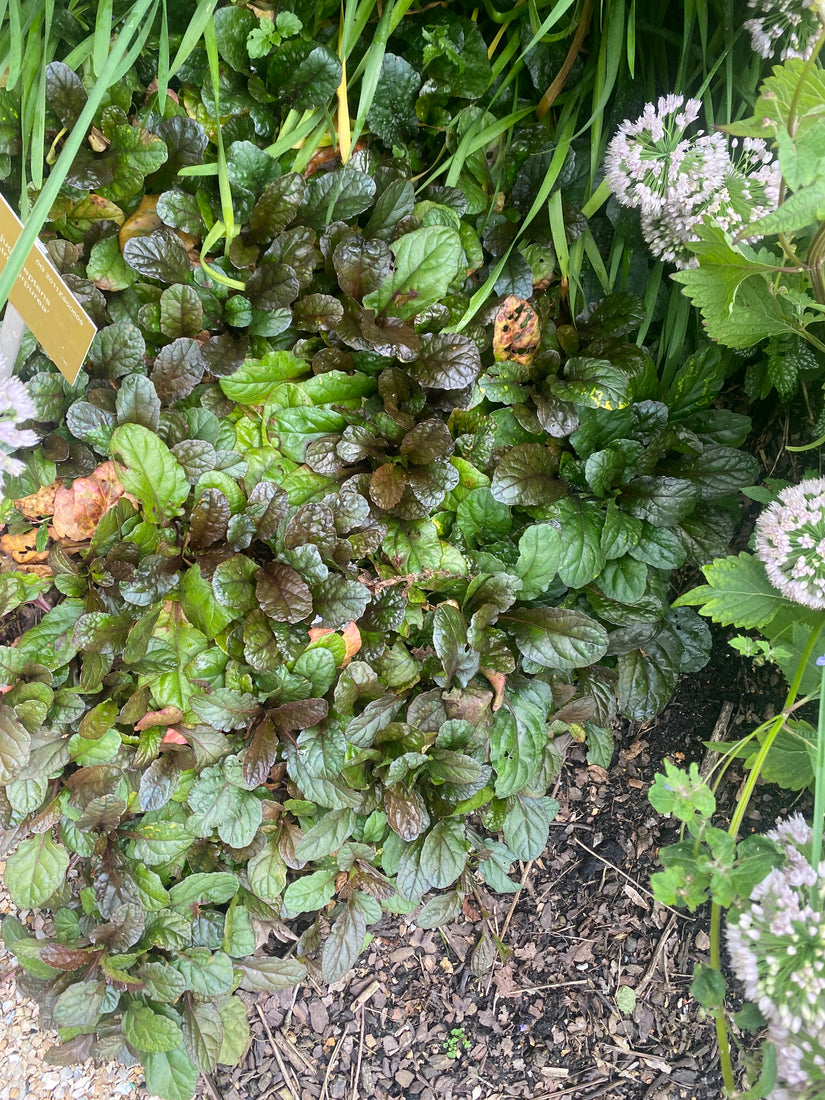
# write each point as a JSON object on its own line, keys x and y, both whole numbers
{"x": 819, "y": 793}
{"x": 736, "y": 820}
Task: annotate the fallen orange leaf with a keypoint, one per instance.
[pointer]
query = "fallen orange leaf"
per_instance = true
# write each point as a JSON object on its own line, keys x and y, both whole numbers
{"x": 38, "y": 504}
{"x": 78, "y": 510}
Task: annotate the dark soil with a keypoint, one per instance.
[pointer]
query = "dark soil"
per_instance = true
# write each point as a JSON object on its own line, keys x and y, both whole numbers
{"x": 543, "y": 1020}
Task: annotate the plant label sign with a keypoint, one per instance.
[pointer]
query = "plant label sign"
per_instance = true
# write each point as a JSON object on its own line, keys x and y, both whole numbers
{"x": 45, "y": 303}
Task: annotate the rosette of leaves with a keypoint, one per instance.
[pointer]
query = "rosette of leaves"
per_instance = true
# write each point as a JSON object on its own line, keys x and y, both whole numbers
{"x": 318, "y": 637}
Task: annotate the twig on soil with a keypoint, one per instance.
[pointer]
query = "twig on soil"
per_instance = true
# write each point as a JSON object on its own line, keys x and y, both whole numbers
{"x": 357, "y": 1080}
{"x": 633, "y": 881}
{"x": 540, "y": 988}
{"x": 330, "y": 1065}
{"x": 290, "y": 1083}
{"x": 651, "y": 1059}
{"x": 650, "y": 969}
{"x": 719, "y": 732}
{"x": 211, "y": 1087}
{"x": 600, "y": 1081}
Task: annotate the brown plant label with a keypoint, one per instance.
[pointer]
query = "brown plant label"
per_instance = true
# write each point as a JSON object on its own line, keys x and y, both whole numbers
{"x": 45, "y": 303}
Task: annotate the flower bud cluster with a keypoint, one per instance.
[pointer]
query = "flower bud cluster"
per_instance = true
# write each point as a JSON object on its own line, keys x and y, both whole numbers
{"x": 790, "y": 541}
{"x": 792, "y": 25}
{"x": 15, "y": 407}
{"x": 677, "y": 181}
{"x": 777, "y": 949}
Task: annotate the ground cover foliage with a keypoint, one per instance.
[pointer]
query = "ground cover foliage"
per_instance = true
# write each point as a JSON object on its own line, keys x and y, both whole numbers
{"x": 340, "y": 553}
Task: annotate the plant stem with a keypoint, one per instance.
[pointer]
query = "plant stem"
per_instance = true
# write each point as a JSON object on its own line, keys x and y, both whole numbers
{"x": 736, "y": 820}
{"x": 819, "y": 792}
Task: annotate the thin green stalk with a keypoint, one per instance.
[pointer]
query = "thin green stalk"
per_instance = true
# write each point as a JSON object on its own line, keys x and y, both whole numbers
{"x": 819, "y": 789}
{"x": 733, "y": 830}
{"x": 227, "y": 210}
{"x": 141, "y": 14}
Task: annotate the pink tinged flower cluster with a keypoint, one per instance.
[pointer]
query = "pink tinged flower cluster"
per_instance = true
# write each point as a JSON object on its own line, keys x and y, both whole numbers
{"x": 677, "y": 182}
{"x": 790, "y": 541}
{"x": 777, "y": 949}
{"x": 15, "y": 407}
{"x": 790, "y": 27}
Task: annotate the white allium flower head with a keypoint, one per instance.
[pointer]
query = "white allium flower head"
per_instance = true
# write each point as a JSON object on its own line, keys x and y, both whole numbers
{"x": 789, "y": 537}
{"x": 777, "y": 950}
{"x": 787, "y": 27}
{"x": 15, "y": 405}
{"x": 651, "y": 161}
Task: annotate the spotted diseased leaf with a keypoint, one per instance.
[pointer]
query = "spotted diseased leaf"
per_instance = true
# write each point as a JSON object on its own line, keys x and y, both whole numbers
{"x": 517, "y": 331}
{"x": 282, "y": 593}
{"x": 526, "y": 476}
{"x": 160, "y": 255}
{"x": 593, "y": 383}
{"x": 447, "y": 361}
{"x": 344, "y": 943}
{"x": 178, "y": 369}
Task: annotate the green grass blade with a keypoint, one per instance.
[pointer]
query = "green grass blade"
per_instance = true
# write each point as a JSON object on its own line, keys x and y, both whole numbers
{"x": 651, "y": 294}
{"x": 210, "y": 41}
{"x": 163, "y": 60}
{"x": 476, "y": 138}
{"x": 193, "y": 33}
{"x": 102, "y": 36}
{"x": 631, "y": 40}
{"x": 294, "y": 135}
{"x": 15, "y": 44}
{"x": 564, "y": 133}
{"x": 143, "y": 10}
{"x": 370, "y": 64}
{"x": 38, "y": 144}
